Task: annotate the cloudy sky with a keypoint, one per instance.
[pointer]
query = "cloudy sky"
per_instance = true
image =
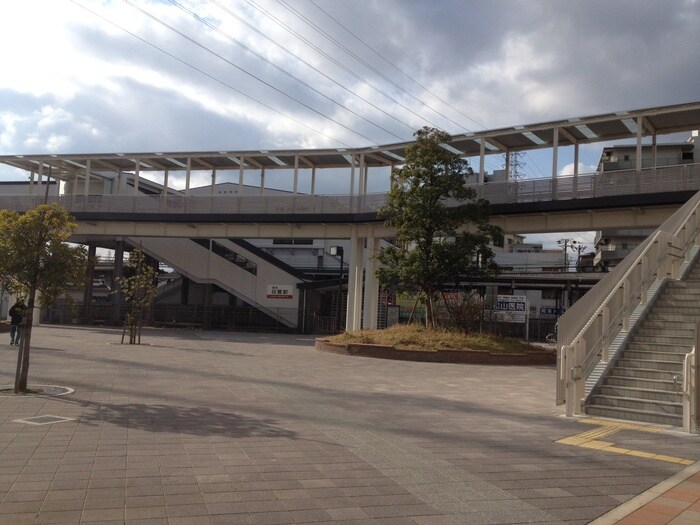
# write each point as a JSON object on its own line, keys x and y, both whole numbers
{"x": 82, "y": 76}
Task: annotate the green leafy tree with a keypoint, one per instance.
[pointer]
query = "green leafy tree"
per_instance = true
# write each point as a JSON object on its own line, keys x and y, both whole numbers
{"x": 138, "y": 288}
{"x": 442, "y": 231}
{"x": 35, "y": 257}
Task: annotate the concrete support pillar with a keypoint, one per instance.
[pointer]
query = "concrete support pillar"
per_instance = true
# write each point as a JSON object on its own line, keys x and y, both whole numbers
{"x": 354, "y": 308}
{"x": 313, "y": 180}
{"x": 31, "y": 182}
{"x": 640, "y": 129}
{"x": 352, "y": 275}
{"x": 137, "y": 171}
{"x": 89, "y": 277}
{"x": 86, "y": 189}
{"x": 371, "y": 300}
{"x": 262, "y": 181}
{"x": 39, "y": 176}
{"x": 240, "y": 177}
{"x": 482, "y": 157}
{"x": 507, "y": 154}
{"x": 352, "y": 176}
{"x": 118, "y": 270}
{"x": 555, "y": 153}
{"x": 576, "y": 160}
{"x": 359, "y": 247}
{"x": 296, "y": 174}
{"x": 213, "y": 180}
{"x": 188, "y": 175}
{"x": 653, "y": 150}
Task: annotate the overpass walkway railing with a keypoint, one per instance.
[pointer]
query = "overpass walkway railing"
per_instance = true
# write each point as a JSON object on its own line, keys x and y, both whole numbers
{"x": 588, "y": 328}
{"x": 684, "y": 177}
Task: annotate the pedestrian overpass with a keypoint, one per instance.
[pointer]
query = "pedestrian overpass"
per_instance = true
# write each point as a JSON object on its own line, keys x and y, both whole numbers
{"x": 112, "y": 199}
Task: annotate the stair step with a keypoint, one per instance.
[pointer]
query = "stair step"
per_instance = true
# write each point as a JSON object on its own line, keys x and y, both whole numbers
{"x": 659, "y": 346}
{"x": 641, "y": 393}
{"x": 664, "y": 339}
{"x": 665, "y": 385}
{"x": 635, "y": 415}
{"x": 667, "y": 307}
{"x": 672, "y": 315}
{"x": 646, "y": 355}
{"x": 668, "y": 330}
{"x": 643, "y": 373}
{"x": 645, "y": 405}
{"x": 670, "y": 366}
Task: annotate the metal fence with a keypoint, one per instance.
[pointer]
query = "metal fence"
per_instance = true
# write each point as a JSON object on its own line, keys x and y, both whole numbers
{"x": 181, "y": 316}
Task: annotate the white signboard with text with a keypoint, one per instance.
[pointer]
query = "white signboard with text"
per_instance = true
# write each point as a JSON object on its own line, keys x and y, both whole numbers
{"x": 511, "y": 308}
{"x": 280, "y": 291}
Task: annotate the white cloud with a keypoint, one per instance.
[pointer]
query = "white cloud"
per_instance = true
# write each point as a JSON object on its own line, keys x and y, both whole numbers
{"x": 568, "y": 169}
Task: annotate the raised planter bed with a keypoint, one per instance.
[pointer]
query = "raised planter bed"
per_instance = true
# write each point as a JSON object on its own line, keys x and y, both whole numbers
{"x": 473, "y": 357}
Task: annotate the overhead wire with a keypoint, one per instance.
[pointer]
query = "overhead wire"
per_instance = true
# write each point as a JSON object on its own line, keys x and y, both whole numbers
{"x": 208, "y": 75}
{"x": 390, "y": 63}
{"x": 288, "y": 51}
{"x": 358, "y": 58}
{"x": 246, "y": 72}
{"x": 338, "y": 63}
{"x": 280, "y": 69}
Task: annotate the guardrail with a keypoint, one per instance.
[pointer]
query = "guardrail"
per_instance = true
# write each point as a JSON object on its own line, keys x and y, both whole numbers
{"x": 684, "y": 177}
{"x": 590, "y": 325}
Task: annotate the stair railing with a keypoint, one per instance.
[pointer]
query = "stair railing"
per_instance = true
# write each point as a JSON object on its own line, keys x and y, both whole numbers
{"x": 691, "y": 418}
{"x": 588, "y": 328}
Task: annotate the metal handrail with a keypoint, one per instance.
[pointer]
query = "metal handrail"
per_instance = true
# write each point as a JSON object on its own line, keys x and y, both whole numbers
{"x": 586, "y": 330}
{"x": 684, "y": 177}
{"x": 690, "y": 423}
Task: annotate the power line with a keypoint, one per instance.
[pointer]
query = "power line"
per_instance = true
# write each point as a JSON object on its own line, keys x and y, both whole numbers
{"x": 336, "y": 62}
{"x": 282, "y": 70}
{"x": 393, "y": 65}
{"x": 215, "y": 79}
{"x": 364, "y": 62}
{"x": 224, "y": 59}
{"x": 308, "y": 64}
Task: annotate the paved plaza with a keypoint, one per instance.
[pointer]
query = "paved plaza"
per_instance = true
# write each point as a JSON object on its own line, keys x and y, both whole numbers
{"x": 217, "y": 427}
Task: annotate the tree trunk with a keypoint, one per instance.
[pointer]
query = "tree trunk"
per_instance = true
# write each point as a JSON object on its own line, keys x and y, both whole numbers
{"x": 22, "y": 373}
{"x": 429, "y": 309}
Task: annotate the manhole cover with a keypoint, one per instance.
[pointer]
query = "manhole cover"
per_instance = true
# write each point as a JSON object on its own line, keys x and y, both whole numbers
{"x": 43, "y": 420}
{"x": 38, "y": 390}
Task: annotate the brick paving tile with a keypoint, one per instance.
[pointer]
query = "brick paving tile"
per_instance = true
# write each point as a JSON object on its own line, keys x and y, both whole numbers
{"x": 61, "y": 505}
{"x": 67, "y": 517}
{"x": 193, "y": 509}
{"x": 260, "y": 428}
{"x": 102, "y": 514}
{"x": 227, "y": 508}
{"x": 144, "y": 513}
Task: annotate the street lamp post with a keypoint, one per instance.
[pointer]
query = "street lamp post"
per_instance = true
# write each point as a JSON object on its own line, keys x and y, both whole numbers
{"x": 338, "y": 252}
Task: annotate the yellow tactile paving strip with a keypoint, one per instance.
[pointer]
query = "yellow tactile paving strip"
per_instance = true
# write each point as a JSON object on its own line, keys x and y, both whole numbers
{"x": 592, "y": 439}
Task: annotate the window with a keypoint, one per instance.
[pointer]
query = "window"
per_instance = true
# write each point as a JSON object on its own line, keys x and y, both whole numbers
{"x": 687, "y": 155}
{"x": 294, "y": 242}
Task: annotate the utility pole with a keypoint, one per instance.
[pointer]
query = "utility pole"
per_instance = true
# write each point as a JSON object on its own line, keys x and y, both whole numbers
{"x": 566, "y": 244}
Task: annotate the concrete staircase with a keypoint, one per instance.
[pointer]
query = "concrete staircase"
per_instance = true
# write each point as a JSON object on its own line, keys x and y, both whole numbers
{"x": 644, "y": 382}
